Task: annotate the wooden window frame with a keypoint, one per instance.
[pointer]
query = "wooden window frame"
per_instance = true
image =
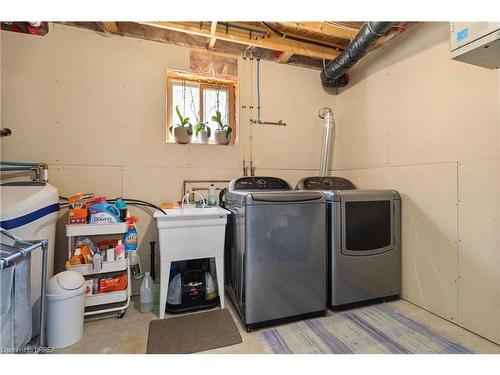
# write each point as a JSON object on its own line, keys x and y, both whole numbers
{"x": 203, "y": 83}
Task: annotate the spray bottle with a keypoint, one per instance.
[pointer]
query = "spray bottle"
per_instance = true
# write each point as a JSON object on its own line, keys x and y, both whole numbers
{"x": 131, "y": 239}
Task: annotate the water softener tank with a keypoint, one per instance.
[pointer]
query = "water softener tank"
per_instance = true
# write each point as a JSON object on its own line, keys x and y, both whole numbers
{"x": 30, "y": 211}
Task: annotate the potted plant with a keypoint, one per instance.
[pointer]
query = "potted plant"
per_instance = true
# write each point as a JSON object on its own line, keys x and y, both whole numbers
{"x": 202, "y": 132}
{"x": 223, "y": 131}
{"x": 182, "y": 132}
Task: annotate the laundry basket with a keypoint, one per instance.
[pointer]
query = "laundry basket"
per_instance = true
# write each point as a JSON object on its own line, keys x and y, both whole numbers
{"x": 66, "y": 305}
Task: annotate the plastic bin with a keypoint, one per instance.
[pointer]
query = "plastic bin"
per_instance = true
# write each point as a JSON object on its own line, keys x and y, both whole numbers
{"x": 65, "y": 308}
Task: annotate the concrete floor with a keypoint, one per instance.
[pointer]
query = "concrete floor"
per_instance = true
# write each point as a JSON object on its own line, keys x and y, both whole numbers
{"x": 130, "y": 334}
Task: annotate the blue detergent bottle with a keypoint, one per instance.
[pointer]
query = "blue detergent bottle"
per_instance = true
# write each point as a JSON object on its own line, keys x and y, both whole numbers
{"x": 102, "y": 212}
{"x": 122, "y": 206}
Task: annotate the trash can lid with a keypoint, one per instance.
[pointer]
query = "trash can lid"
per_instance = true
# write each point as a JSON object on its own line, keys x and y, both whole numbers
{"x": 65, "y": 283}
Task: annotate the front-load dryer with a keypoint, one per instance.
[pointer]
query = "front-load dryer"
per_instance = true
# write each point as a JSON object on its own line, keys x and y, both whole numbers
{"x": 275, "y": 251}
{"x": 364, "y": 241}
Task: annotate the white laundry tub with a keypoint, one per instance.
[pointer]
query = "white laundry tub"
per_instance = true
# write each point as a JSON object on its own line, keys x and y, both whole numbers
{"x": 30, "y": 211}
{"x": 190, "y": 233}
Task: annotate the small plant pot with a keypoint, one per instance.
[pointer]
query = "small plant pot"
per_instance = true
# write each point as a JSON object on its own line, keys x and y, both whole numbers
{"x": 221, "y": 138}
{"x": 203, "y": 136}
{"x": 181, "y": 135}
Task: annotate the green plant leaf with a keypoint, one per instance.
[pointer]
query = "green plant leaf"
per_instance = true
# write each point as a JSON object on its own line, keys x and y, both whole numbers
{"x": 190, "y": 129}
{"x": 229, "y": 130}
{"x": 181, "y": 119}
{"x": 197, "y": 129}
{"x": 217, "y": 119}
{"x": 209, "y": 131}
{"x": 171, "y": 130}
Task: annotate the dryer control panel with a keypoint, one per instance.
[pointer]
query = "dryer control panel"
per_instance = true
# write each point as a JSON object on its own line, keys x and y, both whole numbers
{"x": 259, "y": 183}
{"x": 325, "y": 183}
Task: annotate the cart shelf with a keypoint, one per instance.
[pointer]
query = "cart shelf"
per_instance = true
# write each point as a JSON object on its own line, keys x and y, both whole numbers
{"x": 106, "y": 298}
{"x": 107, "y": 267}
{"x": 73, "y": 230}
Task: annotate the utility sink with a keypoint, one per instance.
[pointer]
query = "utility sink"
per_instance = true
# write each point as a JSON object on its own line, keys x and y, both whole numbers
{"x": 190, "y": 233}
{"x": 176, "y": 213}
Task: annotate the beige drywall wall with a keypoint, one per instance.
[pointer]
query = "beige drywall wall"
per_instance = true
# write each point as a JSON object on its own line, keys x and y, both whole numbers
{"x": 414, "y": 120}
{"x": 93, "y": 107}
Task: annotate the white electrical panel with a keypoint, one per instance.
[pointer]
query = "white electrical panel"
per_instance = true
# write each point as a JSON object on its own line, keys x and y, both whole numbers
{"x": 476, "y": 43}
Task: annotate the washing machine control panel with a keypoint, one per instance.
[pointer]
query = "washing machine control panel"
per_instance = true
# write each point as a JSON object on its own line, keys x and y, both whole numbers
{"x": 261, "y": 183}
{"x": 326, "y": 183}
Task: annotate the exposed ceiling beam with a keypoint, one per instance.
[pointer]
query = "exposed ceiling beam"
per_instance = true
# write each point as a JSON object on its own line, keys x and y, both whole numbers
{"x": 273, "y": 42}
{"x": 326, "y": 28}
{"x": 296, "y": 32}
{"x": 111, "y": 27}
{"x": 213, "y": 29}
{"x": 284, "y": 57}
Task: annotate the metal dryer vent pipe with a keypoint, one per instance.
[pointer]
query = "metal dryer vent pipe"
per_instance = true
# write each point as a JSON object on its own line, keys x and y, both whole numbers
{"x": 334, "y": 73}
{"x": 328, "y": 139}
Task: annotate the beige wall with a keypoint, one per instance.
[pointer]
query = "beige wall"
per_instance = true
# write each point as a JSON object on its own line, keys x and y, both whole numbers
{"x": 93, "y": 107}
{"x": 416, "y": 121}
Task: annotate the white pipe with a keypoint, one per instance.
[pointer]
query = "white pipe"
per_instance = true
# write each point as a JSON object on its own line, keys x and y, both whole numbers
{"x": 185, "y": 199}
{"x": 328, "y": 139}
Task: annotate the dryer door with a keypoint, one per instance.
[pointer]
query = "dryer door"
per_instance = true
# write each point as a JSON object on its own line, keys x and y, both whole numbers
{"x": 367, "y": 223}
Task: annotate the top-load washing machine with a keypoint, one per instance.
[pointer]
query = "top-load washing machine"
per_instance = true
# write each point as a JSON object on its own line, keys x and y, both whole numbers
{"x": 364, "y": 241}
{"x": 275, "y": 251}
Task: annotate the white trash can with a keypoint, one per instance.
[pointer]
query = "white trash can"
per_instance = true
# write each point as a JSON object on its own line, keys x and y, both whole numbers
{"x": 65, "y": 308}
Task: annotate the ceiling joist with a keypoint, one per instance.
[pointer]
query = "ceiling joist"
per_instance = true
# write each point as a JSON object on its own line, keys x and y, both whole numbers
{"x": 111, "y": 27}
{"x": 291, "y": 32}
{"x": 213, "y": 29}
{"x": 334, "y": 30}
{"x": 273, "y": 42}
{"x": 284, "y": 57}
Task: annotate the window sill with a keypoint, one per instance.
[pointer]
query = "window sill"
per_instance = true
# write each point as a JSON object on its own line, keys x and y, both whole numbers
{"x": 200, "y": 144}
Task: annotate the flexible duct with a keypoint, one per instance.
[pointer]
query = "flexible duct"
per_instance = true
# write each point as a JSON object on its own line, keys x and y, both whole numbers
{"x": 328, "y": 139}
{"x": 334, "y": 73}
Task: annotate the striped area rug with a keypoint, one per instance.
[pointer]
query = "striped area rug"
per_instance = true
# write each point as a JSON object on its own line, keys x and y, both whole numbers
{"x": 373, "y": 329}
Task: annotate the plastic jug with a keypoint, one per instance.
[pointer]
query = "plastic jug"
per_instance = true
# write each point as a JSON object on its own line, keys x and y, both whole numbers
{"x": 103, "y": 212}
{"x": 212, "y": 199}
{"x": 135, "y": 265}
{"x": 147, "y": 293}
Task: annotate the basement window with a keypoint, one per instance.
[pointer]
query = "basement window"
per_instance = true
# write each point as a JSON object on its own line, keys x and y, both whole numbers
{"x": 199, "y": 98}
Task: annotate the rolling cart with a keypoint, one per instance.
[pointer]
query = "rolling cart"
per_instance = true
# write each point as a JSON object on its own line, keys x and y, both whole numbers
{"x": 109, "y": 302}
